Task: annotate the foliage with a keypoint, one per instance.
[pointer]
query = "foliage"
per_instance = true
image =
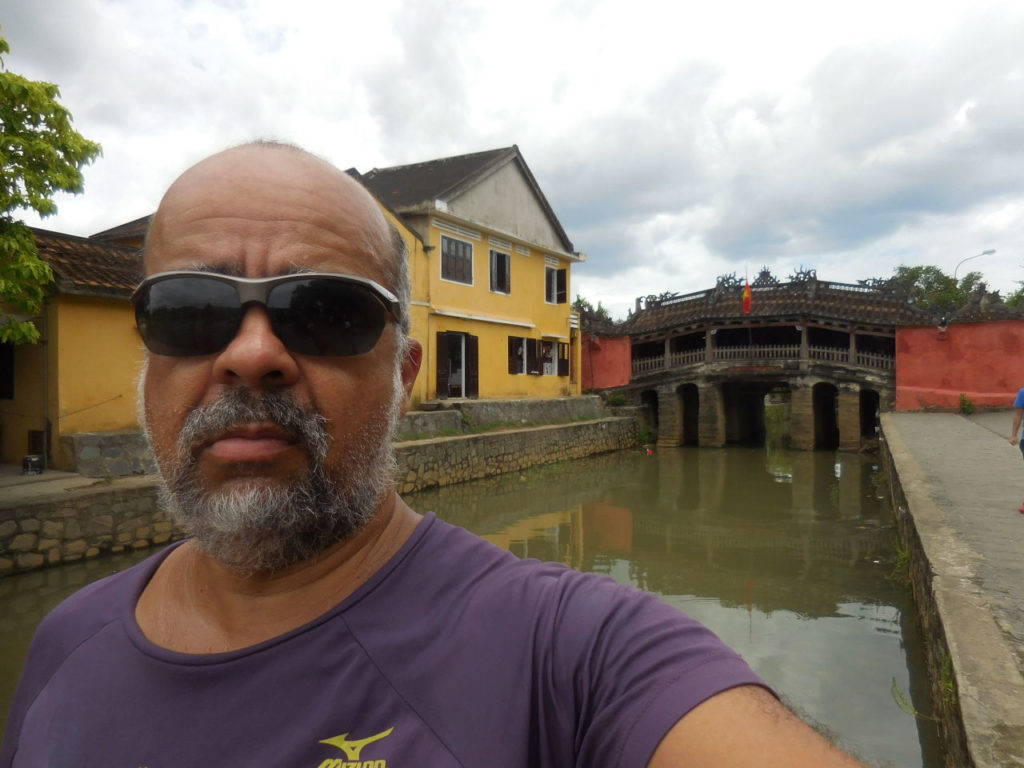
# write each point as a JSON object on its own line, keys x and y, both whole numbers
{"x": 1016, "y": 298}
{"x": 966, "y": 404}
{"x": 584, "y": 307}
{"x": 931, "y": 288}
{"x": 41, "y": 155}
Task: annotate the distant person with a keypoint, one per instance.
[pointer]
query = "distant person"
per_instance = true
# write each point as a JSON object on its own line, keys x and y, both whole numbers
{"x": 314, "y": 620}
{"x": 1018, "y": 416}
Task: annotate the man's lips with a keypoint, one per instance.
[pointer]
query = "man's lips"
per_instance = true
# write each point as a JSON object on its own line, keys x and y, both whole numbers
{"x": 249, "y": 444}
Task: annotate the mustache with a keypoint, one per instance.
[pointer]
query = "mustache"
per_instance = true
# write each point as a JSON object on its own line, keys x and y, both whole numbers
{"x": 240, "y": 406}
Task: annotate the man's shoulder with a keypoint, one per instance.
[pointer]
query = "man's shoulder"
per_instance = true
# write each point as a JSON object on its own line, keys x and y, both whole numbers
{"x": 453, "y": 560}
{"x": 92, "y": 608}
{"x": 1019, "y": 401}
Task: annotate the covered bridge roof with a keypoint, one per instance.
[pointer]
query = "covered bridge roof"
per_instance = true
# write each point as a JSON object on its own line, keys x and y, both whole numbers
{"x": 805, "y": 297}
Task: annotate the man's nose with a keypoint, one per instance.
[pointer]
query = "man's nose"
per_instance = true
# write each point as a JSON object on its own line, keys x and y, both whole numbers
{"x": 256, "y": 357}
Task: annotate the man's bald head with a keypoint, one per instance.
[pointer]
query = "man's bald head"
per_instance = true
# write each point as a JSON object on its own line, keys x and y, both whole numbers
{"x": 217, "y": 180}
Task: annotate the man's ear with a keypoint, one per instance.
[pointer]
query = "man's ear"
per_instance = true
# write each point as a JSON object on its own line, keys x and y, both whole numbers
{"x": 410, "y": 367}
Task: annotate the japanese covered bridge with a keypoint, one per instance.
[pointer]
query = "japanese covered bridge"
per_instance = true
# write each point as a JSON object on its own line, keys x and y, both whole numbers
{"x": 704, "y": 363}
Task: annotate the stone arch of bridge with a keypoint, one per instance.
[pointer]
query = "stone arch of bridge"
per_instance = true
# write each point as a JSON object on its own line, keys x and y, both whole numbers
{"x": 820, "y": 413}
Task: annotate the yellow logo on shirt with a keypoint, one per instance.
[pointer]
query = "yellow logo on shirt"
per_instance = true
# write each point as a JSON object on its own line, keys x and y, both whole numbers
{"x": 353, "y": 749}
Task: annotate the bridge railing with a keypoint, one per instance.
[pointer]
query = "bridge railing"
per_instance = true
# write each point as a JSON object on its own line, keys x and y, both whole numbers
{"x": 875, "y": 360}
{"x": 829, "y": 354}
{"x": 771, "y": 352}
{"x": 762, "y": 353}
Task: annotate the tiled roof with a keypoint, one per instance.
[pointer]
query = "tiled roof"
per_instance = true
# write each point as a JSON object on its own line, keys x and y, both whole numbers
{"x": 130, "y": 233}
{"x": 406, "y": 186}
{"x": 85, "y": 266}
{"x": 809, "y": 299}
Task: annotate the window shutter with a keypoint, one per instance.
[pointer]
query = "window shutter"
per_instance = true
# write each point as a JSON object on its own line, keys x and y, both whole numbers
{"x": 563, "y": 359}
{"x": 494, "y": 271}
{"x": 442, "y": 365}
{"x": 532, "y": 355}
{"x": 472, "y": 366}
{"x": 513, "y": 354}
{"x": 561, "y": 286}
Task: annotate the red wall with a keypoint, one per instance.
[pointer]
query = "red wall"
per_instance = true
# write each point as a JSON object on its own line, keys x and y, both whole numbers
{"x": 984, "y": 361}
{"x": 607, "y": 362}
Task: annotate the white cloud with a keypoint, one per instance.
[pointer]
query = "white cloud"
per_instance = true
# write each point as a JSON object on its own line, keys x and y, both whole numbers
{"x": 675, "y": 142}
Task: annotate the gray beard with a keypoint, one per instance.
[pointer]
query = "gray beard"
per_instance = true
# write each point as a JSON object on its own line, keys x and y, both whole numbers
{"x": 263, "y": 526}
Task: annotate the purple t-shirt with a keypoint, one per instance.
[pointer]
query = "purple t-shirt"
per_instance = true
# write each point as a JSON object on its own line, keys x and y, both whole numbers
{"x": 456, "y": 653}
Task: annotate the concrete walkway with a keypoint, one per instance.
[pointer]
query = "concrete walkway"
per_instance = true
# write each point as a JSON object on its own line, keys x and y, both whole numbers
{"x": 964, "y": 483}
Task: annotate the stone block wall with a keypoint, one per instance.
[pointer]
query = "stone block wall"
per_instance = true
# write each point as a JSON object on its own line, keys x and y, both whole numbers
{"x": 429, "y": 423}
{"x": 444, "y": 461}
{"x": 477, "y": 413}
{"x": 82, "y": 524}
{"x": 122, "y": 514}
{"x": 107, "y": 454}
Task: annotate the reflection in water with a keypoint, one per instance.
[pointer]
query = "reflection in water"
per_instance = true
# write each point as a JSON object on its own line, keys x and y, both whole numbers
{"x": 784, "y": 554}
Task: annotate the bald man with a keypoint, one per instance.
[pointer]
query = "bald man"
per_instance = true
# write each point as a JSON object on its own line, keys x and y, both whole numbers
{"x": 312, "y": 618}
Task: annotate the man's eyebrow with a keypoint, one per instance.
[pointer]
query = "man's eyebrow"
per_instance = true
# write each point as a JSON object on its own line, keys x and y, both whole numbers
{"x": 232, "y": 270}
{"x": 219, "y": 269}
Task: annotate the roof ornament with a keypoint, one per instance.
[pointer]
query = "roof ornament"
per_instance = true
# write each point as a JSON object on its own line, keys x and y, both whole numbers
{"x": 765, "y": 279}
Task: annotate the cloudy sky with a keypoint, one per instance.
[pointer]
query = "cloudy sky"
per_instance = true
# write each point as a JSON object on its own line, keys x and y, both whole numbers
{"x": 676, "y": 141}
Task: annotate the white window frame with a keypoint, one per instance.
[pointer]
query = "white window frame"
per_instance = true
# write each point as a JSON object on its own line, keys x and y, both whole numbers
{"x": 441, "y": 261}
{"x": 508, "y": 270}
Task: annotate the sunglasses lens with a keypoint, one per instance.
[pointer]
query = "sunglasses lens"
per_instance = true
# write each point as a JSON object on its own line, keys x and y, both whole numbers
{"x": 320, "y": 316}
{"x": 186, "y": 316}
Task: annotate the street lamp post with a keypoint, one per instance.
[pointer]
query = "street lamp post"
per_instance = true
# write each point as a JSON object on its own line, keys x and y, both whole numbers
{"x": 988, "y": 252}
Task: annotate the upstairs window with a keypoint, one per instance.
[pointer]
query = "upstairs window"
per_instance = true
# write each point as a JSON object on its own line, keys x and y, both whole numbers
{"x": 456, "y": 260}
{"x": 554, "y": 285}
{"x": 501, "y": 277}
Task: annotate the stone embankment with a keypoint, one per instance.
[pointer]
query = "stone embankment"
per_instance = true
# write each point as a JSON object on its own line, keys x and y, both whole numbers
{"x": 72, "y": 517}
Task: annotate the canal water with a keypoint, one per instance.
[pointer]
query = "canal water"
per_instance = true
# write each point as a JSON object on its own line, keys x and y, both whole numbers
{"x": 788, "y": 556}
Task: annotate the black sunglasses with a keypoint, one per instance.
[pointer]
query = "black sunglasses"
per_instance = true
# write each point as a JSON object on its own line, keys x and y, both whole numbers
{"x": 188, "y": 313}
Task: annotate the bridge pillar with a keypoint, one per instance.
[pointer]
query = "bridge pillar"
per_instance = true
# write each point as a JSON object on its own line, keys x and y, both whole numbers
{"x": 711, "y": 432}
{"x": 801, "y": 416}
{"x": 849, "y": 417}
{"x": 670, "y": 416}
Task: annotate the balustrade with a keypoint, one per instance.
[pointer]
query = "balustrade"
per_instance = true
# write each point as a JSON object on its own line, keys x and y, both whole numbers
{"x": 760, "y": 353}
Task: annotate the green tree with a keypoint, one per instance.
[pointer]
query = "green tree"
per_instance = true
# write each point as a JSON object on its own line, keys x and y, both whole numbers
{"x": 40, "y": 154}
{"x": 931, "y": 288}
{"x": 585, "y": 308}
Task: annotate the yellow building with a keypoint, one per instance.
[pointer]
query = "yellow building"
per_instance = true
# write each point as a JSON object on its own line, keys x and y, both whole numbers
{"x": 490, "y": 269}
{"x": 81, "y": 376}
{"x": 491, "y": 277}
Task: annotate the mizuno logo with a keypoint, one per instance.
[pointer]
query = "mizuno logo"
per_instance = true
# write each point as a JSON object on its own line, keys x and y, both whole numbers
{"x": 353, "y": 748}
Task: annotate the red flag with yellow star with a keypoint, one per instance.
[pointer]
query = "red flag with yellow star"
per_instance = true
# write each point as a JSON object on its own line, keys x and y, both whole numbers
{"x": 748, "y": 299}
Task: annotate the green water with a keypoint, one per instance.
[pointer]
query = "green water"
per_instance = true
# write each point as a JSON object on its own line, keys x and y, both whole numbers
{"x": 786, "y": 555}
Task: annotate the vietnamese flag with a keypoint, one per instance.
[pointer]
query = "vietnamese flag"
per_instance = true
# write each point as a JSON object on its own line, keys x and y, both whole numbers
{"x": 747, "y": 299}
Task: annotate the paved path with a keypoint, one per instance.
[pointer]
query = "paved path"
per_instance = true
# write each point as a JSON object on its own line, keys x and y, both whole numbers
{"x": 964, "y": 484}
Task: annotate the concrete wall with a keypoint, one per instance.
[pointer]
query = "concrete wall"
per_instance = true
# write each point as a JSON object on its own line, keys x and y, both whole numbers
{"x": 606, "y": 362}
{"x": 937, "y": 653}
{"x": 984, "y": 361}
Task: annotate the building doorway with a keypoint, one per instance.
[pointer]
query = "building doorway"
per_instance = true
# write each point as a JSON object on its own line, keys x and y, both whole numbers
{"x": 458, "y": 356}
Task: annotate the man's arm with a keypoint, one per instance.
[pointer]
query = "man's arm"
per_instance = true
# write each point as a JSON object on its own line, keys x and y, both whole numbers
{"x": 746, "y": 727}
{"x": 1018, "y": 413}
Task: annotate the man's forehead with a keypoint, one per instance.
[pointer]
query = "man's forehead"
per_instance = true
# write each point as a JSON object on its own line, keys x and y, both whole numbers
{"x": 282, "y": 193}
